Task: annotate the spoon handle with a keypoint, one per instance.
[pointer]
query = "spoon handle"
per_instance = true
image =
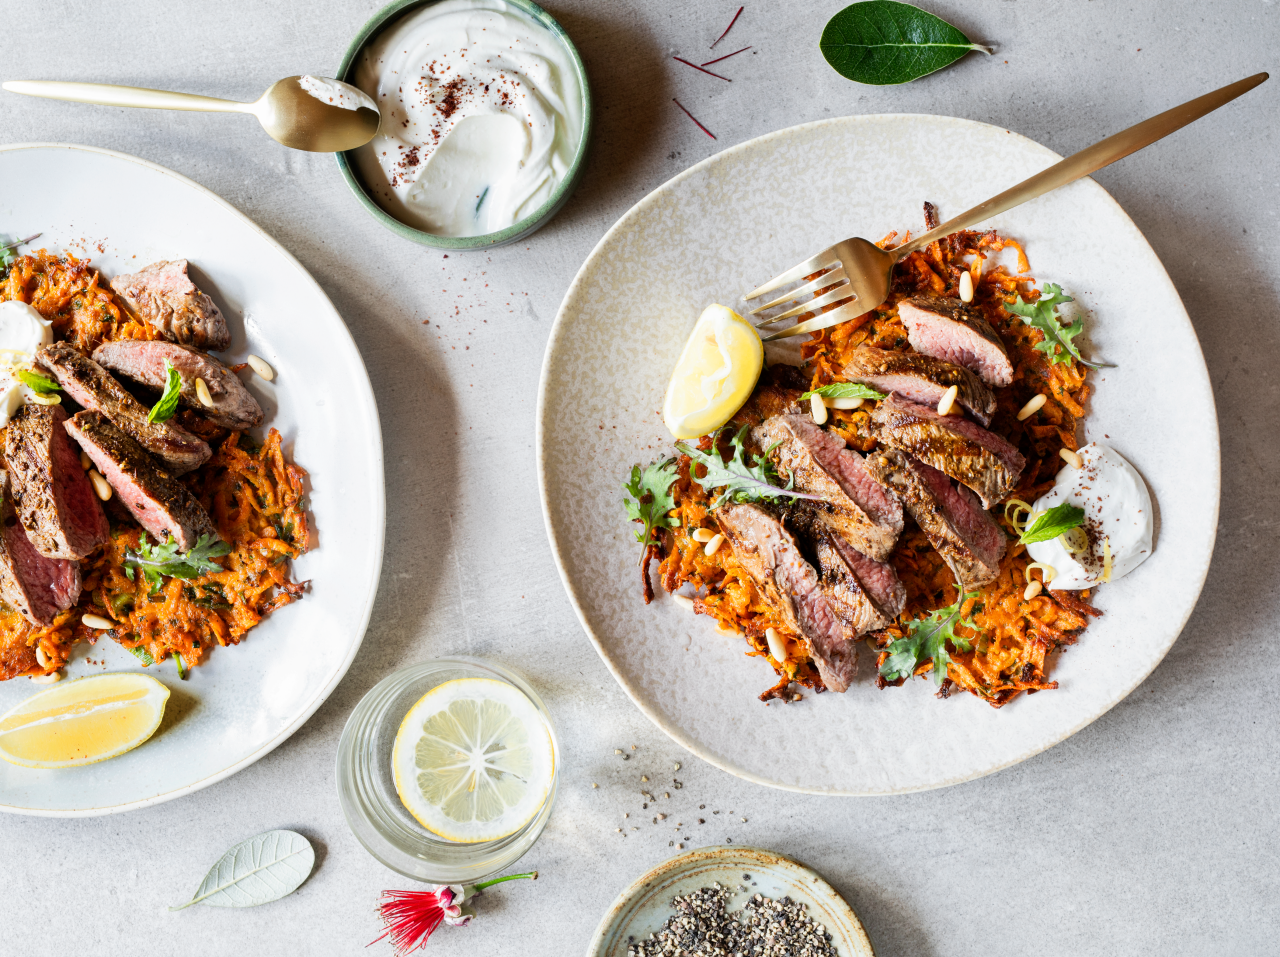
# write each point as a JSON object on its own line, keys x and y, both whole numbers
{"x": 107, "y": 94}
{"x": 1088, "y": 160}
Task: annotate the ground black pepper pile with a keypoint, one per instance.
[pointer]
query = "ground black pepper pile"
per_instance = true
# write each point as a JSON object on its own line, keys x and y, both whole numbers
{"x": 703, "y": 927}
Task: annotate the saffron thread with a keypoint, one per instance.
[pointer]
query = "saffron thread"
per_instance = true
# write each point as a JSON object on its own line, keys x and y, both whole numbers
{"x": 700, "y": 70}
{"x": 728, "y": 28}
{"x": 694, "y": 118}
{"x": 726, "y": 56}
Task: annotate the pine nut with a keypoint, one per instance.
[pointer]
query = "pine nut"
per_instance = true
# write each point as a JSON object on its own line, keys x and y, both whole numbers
{"x": 843, "y": 403}
{"x": 48, "y": 679}
{"x": 86, "y": 463}
{"x": 41, "y": 658}
{"x": 1033, "y": 588}
{"x": 703, "y": 535}
{"x": 38, "y": 398}
{"x": 713, "y": 545}
{"x": 684, "y": 600}
{"x": 1034, "y": 405}
{"x": 202, "y": 393}
{"x": 100, "y": 485}
{"x": 966, "y": 286}
{"x": 1071, "y": 458}
{"x": 260, "y": 366}
{"x": 819, "y": 409}
{"x": 97, "y": 621}
{"x": 777, "y": 647}
{"x": 948, "y": 400}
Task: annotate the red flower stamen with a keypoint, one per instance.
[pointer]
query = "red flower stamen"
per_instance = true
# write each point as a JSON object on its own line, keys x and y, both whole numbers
{"x": 410, "y": 918}
{"x": 729, "y": 27}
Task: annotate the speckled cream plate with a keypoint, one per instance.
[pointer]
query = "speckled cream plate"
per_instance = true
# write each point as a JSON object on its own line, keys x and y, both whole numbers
{"x": 123, "y": 212}
{"x": 644, "y": 907}
{"x": 731, "y": 222}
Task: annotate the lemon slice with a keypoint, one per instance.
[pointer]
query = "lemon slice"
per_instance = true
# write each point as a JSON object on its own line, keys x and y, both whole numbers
{"x": 473, "y": 760}
{"x": 83, "y": 721}
{"x": 715, "y": 374}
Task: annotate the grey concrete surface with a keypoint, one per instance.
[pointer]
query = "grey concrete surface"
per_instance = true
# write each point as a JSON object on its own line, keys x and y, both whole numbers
{"x": 1153, "y": 831}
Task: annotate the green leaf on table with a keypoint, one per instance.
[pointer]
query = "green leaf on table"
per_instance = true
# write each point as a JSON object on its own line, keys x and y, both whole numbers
{"x": 883, "y": 42}
{"x": 926, "y": 639}
{"x": 36, "y": 382}
{"x": 1059, "y": 519}
{"x": 739, "y": 480}
{"x": 257, "y": 871}
{"x": 1043, "y": 315}
{"x": 845, "y": 390}
{"x": 163, "y": 410}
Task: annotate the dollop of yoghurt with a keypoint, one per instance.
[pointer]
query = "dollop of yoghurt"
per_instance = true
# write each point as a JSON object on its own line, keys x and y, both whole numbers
{"x": 340, "y": 94}
{"x": 481, "y": 116}
{"x": 22, "y": 332}
{"x": 1117, "y": 514}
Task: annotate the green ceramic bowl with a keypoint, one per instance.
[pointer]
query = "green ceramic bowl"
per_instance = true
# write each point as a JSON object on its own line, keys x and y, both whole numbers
{"x": 346, "y": 161}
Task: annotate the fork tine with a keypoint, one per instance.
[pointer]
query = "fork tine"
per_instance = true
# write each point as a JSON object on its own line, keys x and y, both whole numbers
{"x": 842, "y": 291}
{"x": 822, "y": 260}
{"x": 826, "y": 279}
{"x": 840, "y": 314}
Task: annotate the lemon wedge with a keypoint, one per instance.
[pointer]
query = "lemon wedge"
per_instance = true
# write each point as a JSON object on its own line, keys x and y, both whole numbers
{"x": 715, "y": 374}
{"x": 473, "y": 760}
{"x": 83, "y": 721}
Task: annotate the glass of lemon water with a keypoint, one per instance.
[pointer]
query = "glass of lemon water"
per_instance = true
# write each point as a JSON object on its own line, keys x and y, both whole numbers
{"x": 447, "y": 770}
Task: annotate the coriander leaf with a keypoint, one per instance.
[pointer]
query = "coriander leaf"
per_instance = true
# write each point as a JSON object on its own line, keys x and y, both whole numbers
{"x": 740, "y": 481}
{"x": 654, "y": 484}
{"x": 845, "y": 390}
{"x": 155, "y": 561}
{"x": 882, "y": 42}
{"x": 1061, "y": 518}
{"x": 1043, "y": 315}
{"x": 926, "y": 639}
{"x": 36, "y": 382}
{"x": 163, "y": 410}
{"x": 7, "y": 254}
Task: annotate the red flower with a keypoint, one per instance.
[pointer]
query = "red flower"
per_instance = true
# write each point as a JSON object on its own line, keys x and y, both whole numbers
{"x": 411, "y": 917}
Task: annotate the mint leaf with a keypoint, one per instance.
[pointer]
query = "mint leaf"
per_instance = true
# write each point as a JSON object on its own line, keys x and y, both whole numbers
{"x": 882, "y": 42}
{"x": 1061, "y": 518}
{"x": 651, "y": 500}
{"x": 845, "y": 390}
{"x": 36, "y": 382}
{"x": 740, "y": 480}
{"x": 163, "y": 410}
{"x": 926, "y": 639}
{"x": 1058, "y": 342}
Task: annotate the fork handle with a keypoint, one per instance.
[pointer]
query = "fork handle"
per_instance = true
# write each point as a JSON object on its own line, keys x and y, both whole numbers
{"x": 1088, "y": 160}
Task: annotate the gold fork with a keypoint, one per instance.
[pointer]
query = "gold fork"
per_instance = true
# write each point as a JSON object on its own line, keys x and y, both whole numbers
{"x": 861, "y": 271}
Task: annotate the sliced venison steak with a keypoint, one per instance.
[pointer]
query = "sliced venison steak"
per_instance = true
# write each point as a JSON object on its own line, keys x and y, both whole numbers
{"x": 963, "y": 532}
{"x": 233, "y": 406}
{"x": 918, "y": 377}
{"x": 94, "y": 388}
{"x": 951, "y": 330}
{"x": 772, "y": 557}
{"x": 55, "y": 501}
{"x": 161, "y": 505}
{"x": 36, "y": 587}
{"x": 821, "y": 465}
{"x": 164, "y": 295}
{"x": 962, "y": 449}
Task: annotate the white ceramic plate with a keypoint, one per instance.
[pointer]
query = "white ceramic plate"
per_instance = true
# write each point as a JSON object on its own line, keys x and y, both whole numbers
{"x": 730, "y": 223}
{"x": 123, "y": 213}
{"x": 644, "y": 907}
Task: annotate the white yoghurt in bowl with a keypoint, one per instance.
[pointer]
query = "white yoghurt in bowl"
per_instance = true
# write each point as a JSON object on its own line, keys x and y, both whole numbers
{"x": 481, "y": 116}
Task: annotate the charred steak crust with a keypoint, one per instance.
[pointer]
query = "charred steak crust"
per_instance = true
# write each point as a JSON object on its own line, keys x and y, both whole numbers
{"x": 164, "y": 295}
{"x": 920, "y": 378}
{"x": 36, "y": 587}
{"x": 967, "y": 452}
{"x": 964, "y": 533}
{"x": 159, "y": 503}
{"x": 94, "y": 388}
{"x": 957, "y": 332}
{"x": 820, "y": 464}
{"x": 772, "y": 557}
{"x": 55, "y": 502}
{"x": 234, "y": 407}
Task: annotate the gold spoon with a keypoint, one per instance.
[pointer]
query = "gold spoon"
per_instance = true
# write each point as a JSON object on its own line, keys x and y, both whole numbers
{"x": 287, "y": 111}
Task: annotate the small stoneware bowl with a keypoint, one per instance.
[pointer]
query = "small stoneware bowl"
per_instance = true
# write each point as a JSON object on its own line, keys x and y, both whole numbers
{"x": 347, "y": 162}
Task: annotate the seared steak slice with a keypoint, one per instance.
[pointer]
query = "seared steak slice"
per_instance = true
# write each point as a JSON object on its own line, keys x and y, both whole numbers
{"x": 160, "y": 504}
{"x": 771, "y": 556}
{"x": 164, "y": 295}
{"x": 233, "y": 407}
{"x": 918, "y": 377}
{"x": 964, "y": 450}
{"x": 94, "y": 388}
{"x": 821, "y": 465}
{"x": 865, "y": 594}
{"x": 55, "y": 502}
{"x": 951, "y": 330}
{"x": 34, "y": 586}
{"x": 964, "y": 534}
